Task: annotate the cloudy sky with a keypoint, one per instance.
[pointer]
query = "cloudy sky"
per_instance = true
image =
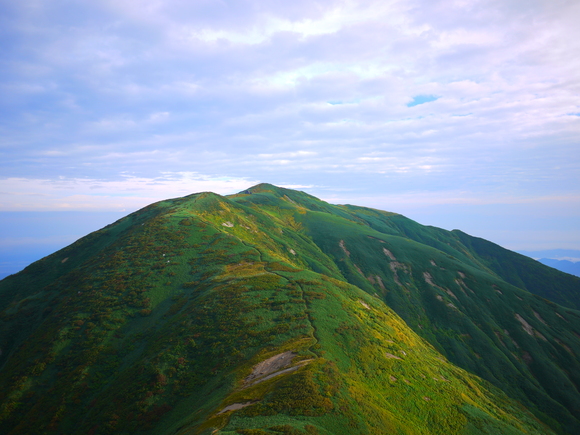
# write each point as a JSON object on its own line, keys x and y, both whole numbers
{"x": 459, "y": 114}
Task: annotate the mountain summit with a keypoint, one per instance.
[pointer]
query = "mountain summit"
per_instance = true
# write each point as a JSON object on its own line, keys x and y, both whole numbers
{"x": 273, "y": 312}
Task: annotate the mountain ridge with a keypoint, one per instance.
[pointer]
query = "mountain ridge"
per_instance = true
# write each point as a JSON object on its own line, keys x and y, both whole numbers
{"x": 567, "y": 266}
{"x": 148, "y": 301}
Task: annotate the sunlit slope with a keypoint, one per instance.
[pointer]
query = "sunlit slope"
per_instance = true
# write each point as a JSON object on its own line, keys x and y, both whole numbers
{"x": 455, "y": 297}
{"x": 255, "y": 314}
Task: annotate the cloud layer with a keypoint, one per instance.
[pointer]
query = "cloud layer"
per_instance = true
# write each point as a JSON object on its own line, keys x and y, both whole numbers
{"x": 139, "y": 100}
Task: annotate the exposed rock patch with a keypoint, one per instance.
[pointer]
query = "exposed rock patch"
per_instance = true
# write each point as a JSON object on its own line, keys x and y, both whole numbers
{"x": 270, "y": 365}
{"x": 441, "y": 378}
{"x": 525, "y": 325}
{"x": 539, "y": 317}
{"x": 429, "y": 280}
{"x": 461, "y": 283}
{"x": 540, "y": 335}
{"x": 389, "y": 254}
{"x": 281, "y": 372}
{"x": 395, "y": 265}
{"x": 390, "y": 355}
{"x": 235, "y": 407}
{"x": 380, "y": 281}
{"x": 343, "y": 247}
{"x": 450, "y": 293}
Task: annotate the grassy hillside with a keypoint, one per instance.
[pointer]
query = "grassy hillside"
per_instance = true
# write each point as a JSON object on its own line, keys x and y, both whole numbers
{"x": 525, "y": 272}
{"x": 455, "y": 297}
{"x": 272, "y": 312}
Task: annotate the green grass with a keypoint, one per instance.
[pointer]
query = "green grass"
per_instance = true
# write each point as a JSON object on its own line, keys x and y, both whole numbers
{"x": 151, "y": 325}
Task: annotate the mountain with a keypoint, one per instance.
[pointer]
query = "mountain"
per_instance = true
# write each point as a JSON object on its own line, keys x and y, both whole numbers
{"x": 557, "y": 254}
{"x": 565, "y": 260}
{"x": 573, "y": 268}
{"x": 272, "y": 312}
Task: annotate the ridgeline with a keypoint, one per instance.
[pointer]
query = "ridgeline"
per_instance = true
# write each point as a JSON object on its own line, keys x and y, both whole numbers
{"x": 273, "y": 312}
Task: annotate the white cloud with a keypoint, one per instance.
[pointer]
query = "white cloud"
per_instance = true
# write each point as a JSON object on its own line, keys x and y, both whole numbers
{"x": 126, "y": 194}
{"x": 424, "y": 199}
{"x": 312, "y": 93}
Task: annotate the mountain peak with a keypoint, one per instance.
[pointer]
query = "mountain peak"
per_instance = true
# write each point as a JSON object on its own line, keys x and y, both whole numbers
{"x": 271, "y": 312}
{"x": 266, "y": 188}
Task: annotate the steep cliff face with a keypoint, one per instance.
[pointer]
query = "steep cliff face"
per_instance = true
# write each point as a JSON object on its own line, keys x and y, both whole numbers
{"x": 271, "y": 311}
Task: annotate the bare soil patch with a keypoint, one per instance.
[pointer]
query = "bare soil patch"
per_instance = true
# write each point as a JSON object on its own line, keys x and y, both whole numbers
{"x": 235, "y": 407}
{"x": 270, "y": 365}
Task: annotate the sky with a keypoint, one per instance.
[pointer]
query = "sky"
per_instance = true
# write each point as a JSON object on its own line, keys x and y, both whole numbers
{"x": 458, "y": 114}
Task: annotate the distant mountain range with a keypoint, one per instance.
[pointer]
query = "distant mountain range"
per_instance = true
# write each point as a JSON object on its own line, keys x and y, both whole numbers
{"x": 273, "y": 312}
{"x": 565, "y": 260}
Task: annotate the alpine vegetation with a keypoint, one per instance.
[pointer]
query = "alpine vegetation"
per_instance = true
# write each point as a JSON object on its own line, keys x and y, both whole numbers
{"x": 273, "y": 312}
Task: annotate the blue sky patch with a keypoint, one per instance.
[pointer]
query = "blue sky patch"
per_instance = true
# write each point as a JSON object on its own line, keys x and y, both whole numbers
{"x": 422, "y": 99}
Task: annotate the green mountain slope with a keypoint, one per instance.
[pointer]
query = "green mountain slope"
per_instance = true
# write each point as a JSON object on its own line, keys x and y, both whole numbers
{"x": 272, "y": 312}
{"x": 525, "y": 272}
